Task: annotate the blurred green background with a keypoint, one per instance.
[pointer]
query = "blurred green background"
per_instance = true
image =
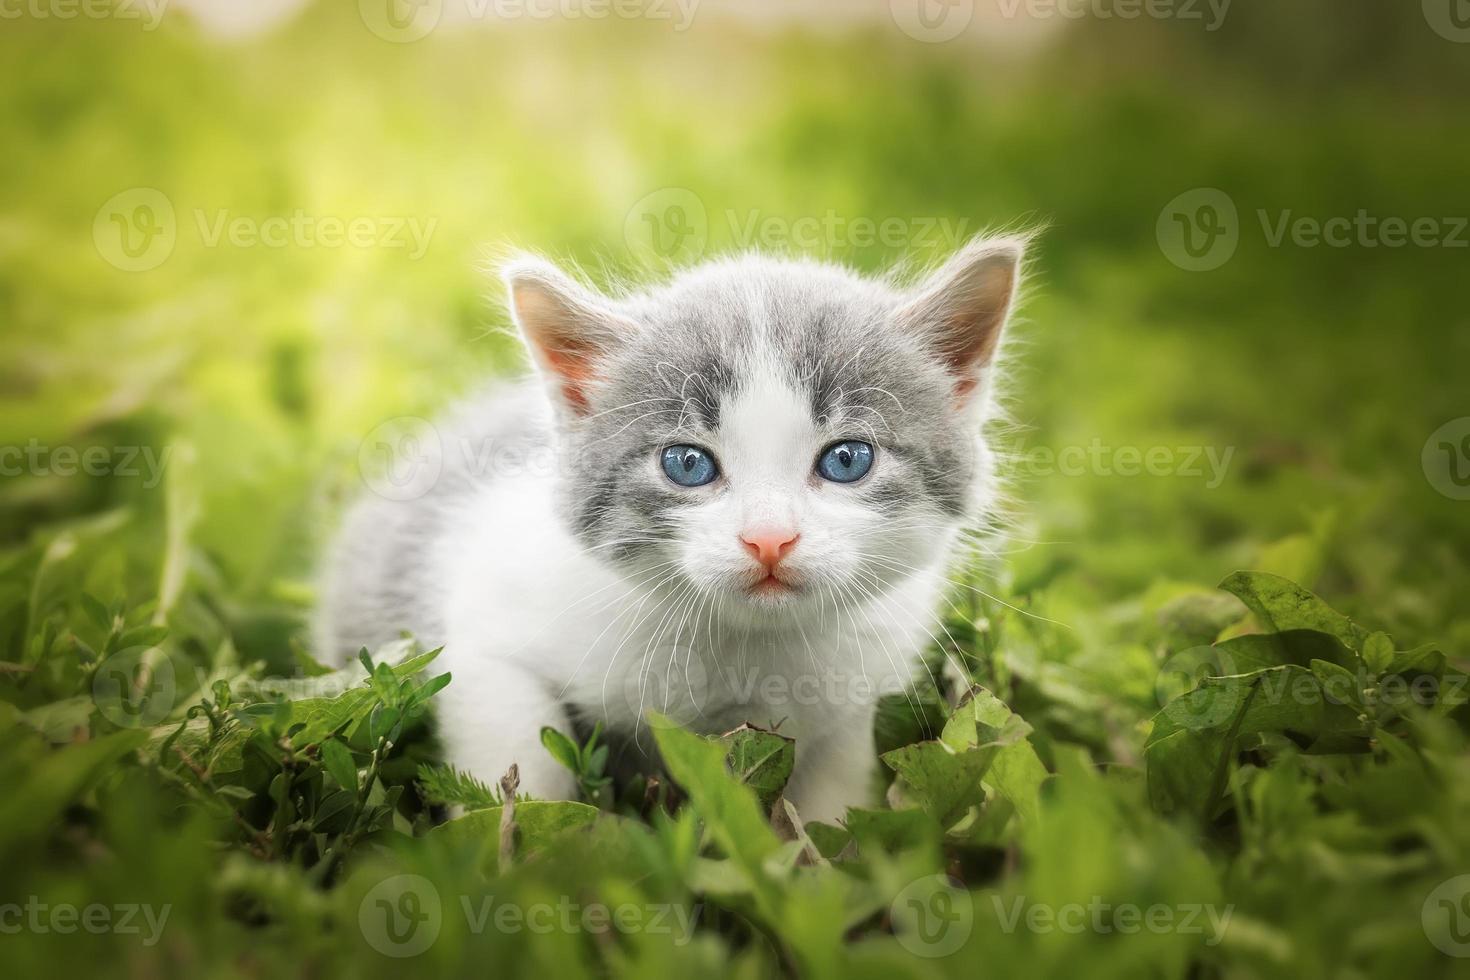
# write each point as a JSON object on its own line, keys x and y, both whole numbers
{"x": 140, "y": 307}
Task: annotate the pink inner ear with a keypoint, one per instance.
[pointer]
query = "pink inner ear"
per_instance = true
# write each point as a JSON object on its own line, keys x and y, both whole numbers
{"x": 964, "y": 387}
{"x": 975, "y": 335}
{"x": 573, "y": 369}
{"x": 964, "y": 308}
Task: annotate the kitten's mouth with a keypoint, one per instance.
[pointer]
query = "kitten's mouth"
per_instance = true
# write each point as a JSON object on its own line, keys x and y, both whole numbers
{"x": 771, "y": 585}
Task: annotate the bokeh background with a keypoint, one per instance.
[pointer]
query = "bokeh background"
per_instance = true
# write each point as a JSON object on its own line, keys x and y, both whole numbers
{"x": 239, "y": 238}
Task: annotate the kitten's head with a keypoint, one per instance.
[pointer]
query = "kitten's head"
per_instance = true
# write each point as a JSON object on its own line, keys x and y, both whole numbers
{"x": 775, "y": 434}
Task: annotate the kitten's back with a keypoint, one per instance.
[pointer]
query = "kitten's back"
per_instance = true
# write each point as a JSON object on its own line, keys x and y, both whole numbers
{"x": 381, "y": 578}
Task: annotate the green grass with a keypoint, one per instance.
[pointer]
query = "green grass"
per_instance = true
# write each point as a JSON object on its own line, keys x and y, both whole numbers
{"x": 274, "y": 819}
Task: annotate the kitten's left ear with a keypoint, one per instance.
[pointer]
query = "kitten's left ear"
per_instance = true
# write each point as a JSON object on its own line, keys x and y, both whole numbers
{"x": 569, "y": 329}
{"x": 964, "y": 306}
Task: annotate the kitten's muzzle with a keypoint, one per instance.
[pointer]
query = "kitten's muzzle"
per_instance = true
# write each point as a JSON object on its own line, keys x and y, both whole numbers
{"x": 768, "y": 546}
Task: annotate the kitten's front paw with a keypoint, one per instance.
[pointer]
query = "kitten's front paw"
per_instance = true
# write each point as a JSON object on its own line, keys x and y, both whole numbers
{"x": 822, "y": 812}
{"x": 825, "y": 804}
{"x": 830, "y": 778}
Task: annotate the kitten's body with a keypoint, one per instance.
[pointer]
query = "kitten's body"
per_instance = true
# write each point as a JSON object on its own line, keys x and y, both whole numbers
{"x": 568, "y": 580}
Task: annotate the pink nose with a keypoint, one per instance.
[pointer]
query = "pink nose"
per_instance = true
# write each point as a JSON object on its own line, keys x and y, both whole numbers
{"x": 769, "y": 547}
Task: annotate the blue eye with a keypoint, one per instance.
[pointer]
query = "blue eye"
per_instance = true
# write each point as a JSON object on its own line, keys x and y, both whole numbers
{"x": 689, "y": 466}
{"x": 845, "y": 462}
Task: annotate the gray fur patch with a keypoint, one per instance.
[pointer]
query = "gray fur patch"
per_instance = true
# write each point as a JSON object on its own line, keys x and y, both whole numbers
{"x": 701, "y": 341}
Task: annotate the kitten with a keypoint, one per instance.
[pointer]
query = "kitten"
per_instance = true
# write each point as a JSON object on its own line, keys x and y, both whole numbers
{"x": 729, "y": 498}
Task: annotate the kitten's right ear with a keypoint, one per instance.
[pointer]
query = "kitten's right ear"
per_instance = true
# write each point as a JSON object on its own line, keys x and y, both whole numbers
{"x": 964, "y": 306}
{"x": 569, "y": 329}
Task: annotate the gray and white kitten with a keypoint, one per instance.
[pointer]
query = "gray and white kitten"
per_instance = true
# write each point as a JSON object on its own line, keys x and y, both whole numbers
{"x": 730, "y": 498}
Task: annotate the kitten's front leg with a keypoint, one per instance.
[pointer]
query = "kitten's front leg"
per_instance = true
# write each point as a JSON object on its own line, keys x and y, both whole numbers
{"x": 491, "y": 716}
{"x": 832, "y": 773}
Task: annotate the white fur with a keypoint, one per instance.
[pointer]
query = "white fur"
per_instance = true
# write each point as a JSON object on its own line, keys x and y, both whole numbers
{"x": 532, "y": 622}
{"x": 538, "y": 627}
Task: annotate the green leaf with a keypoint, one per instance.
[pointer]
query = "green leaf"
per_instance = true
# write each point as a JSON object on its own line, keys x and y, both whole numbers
{"x": 538, "y": 823}
{"x": 334, "y": 813}
{"x": 941, "y": 780}
{"x": 891, "y": 831}
{"x": 142, "y": 636}
{"x": 562, "y": 749}
{"x": 97, "y": 612}
{"x": 1338, "y": 683}
{"x": 427, "y": 689}
{"x": 1178, "y": 765}
{"x": 1280, "y": 604}
{"x": 1017, "y": 771}
{"x": 41, "y": 782}
{"x": 761, "y": 760}
{"x": 1378, "y": 652}
{"x": 729, "y": 808}
{"x": 1257, "y": 651}
{"x": 449, "y": 786}
{"x": 1190, "y": 734}
{"x": 384, "y": 723}
{"x": 338, "y": 762}
{"x": 1196, "y": 617}
{"x": 828, "y": 839}
{"x": 324, "y": 716}
{"x": 1426, "y": 659}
